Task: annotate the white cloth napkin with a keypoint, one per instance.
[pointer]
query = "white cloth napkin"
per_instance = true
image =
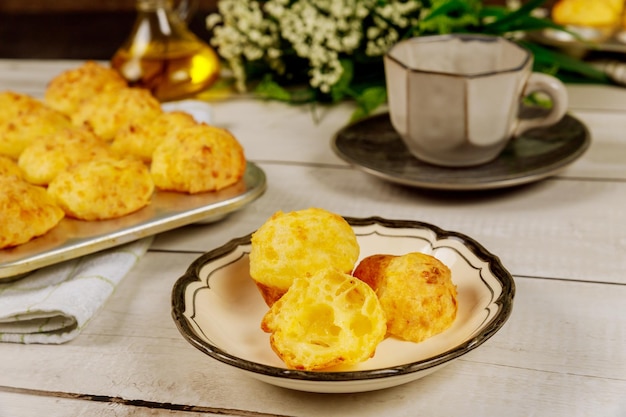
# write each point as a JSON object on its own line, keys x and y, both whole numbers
{"x": 53, "y": 304}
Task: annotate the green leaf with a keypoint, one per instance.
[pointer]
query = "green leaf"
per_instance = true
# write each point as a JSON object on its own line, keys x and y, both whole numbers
{"x": 504, "y": 24}
{"x": 368, "y": 101}
{"x": 446, "y": 7}
{"x": 497, "y": 12}
{"x": 271, "y": 90}
{"x": 340, "y": 89}
{"x": 547, "y": 57}
{"x": 531, "y": 23}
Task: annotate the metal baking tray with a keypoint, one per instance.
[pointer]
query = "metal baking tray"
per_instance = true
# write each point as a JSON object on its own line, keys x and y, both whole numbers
{"x": 168, "y": 210}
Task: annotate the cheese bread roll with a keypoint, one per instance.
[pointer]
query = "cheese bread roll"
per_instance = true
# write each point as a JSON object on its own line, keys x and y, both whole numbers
{"x": 197, "y": 159}
{"x": 298, "y": 244}
{"x": 328, "y": 319}
{"x": 8, "y": 167}
{"x": 141, "y": 139}
{"x": 102, "y": 189}
{"x": 13, "y": 104}
{"x": 43, "y": 159}
{"x": 26, "y": 211}
{"x": 28, "y": 125}
{"x": 415, "y": 290}
{"x": 111, "y": 110}
{"x": 70, "y": 89}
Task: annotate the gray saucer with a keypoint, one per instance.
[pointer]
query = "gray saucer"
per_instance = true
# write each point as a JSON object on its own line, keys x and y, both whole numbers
{"x": 373, "y": 146}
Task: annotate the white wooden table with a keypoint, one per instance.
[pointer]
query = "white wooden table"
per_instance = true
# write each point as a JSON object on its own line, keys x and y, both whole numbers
{"x": 562, "y": 352}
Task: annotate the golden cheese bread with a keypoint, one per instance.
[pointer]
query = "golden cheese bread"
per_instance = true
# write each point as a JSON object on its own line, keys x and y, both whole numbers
{"x": 327, "y": 319}
{"x": 29, "y": 123}
{"x": 141, "y": 139}
{"x": 415, "y": 290}
{"x": 298, "y": 244}
{"x": 13, "y": 104}
{"x": 46, "y": 157}
{"x": 112, "y": 110}
{"x": 92, "y": 139}
{"x": 197, "y": 159}
{"x": 26, "y": 211}
{"x": 68, "y": 91}
{"x": 103, "y": 188}
{"x": 9, "y": 167}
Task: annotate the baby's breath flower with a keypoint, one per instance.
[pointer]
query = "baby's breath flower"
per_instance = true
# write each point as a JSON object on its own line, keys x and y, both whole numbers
{"x": 315, "y": 41}
{"x": 318, "y": 32}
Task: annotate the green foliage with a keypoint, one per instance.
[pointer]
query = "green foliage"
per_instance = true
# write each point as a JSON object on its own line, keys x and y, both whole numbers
{"x": 362, "y": 77}
{"x": 369, "y": 100}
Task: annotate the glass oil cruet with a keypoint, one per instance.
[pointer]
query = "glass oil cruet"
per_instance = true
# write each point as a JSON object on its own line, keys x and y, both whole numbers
{"x": 163, "y": 55}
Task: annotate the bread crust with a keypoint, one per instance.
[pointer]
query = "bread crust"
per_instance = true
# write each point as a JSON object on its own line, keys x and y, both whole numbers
{"x": 80, "y": 192}
{"x": 46, "y": 157}
{"x": 198, "y": 159}
{"x": 299, "y": 244}
{"x": 9, "y": 167}
{"x": 29, "y": 124}
{"x": 415, "y": 290}
{"x": 26, "y": 211}
{"x": 141, "y": 139}
{"x": 70, "y": 89}
{"x": 112, "y": 110}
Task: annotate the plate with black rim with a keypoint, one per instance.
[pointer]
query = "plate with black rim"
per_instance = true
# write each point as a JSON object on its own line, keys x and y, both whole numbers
{"x": 218, "y": 310}
{"x": 374, "y": 146}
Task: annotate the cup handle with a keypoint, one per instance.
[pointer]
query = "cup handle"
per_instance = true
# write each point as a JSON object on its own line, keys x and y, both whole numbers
{"x": 555, "y": 89}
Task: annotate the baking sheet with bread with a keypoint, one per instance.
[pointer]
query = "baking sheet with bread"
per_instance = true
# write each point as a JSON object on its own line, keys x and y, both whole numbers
{"x": 98, "y": 150}
{"x": 327, "y": 310}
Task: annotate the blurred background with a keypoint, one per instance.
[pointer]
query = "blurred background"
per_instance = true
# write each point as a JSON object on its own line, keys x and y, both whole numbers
{"x": 74, "y": 29}
{"x": 80, "y": 29}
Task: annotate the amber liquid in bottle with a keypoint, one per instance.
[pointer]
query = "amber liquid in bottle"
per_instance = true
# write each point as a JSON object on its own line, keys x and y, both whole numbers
{"x": 163, "y": 56}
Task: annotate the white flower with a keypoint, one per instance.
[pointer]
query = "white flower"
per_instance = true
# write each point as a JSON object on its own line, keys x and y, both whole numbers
{"x": 318, "y": 32}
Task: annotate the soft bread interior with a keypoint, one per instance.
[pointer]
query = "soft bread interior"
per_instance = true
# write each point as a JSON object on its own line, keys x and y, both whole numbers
{"x": 329, "y": 319}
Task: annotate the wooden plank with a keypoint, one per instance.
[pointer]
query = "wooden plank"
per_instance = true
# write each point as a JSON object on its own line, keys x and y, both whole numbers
{"x": 555, "y": 342}
{"x": 550, "y": 229}
{"x": 20, "y": 403}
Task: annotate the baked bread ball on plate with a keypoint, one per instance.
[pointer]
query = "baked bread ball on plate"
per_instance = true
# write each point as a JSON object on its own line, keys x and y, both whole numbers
{"x": 26, "y": 211}
{"x": 104, "y": 188}
{"x": 415, "y": 291}
{"x": 298, "y": 244}
{"x": 328, "y": 319}
{"x": 197, "y": 159}
{"x": 111, "y": 110}
{"x": 27, "y": 125}
{"x": 43, "y": 159}
{"x": 141, "y": 139}
{"x": 70, "y": 89}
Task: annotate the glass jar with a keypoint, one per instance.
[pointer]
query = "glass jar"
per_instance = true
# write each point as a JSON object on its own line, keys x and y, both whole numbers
{"x": 163, "y": 55}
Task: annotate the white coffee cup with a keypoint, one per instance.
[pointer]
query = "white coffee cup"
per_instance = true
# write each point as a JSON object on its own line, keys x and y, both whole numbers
{"x": 455, "y": 99}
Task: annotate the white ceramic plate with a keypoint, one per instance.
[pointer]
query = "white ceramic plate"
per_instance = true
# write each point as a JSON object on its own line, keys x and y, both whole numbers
{"x": 218, "y": 309}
